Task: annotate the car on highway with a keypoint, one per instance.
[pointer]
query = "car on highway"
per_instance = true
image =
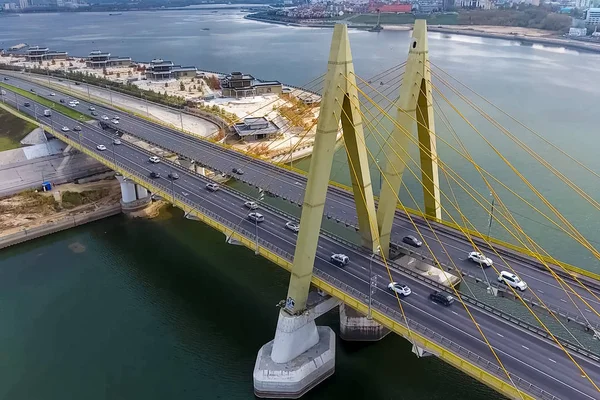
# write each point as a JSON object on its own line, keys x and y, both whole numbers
{"x": 154, "y": 160}
{"x": 101, "y": 147}
{"x": 92, "y": 108}
{"x": 5, "y": 78}
{"x": 238, "y": 171}
{"x": 251, "y": 205}
{"x": 213, "y": 187}
{"x": 154, "y": 174}
{"x": 512, "y": 280}
{"x": 77, "y": 128}
{"x": 341, "y": 260}
{"x": 94, "y": 113}
{"x": 441, "y": 298}
{"x": 480, "y": 259}
{"x": 115, "y": 121}
{"x": 116, "y": 117}
{"x": 411, "y": 240}
{"x": 256, "y": 217}
{"x": 65, "y": 129}
{"x": 292, "y": 226}
{"x": 27, "y": 104}
{"x": 399, "y": 288}
{"x": 116, "y": 141}
{"x": 32, "y": 90}
{"x": 105, "y": 117}
{"x": 173, "y": 176}
{"x": 2, "y": 92}
{"x": 75, "y": 101}
{"x": 53, "y": 94}
{"x": 72, "y": 104}
{"x": 62, "y": 101}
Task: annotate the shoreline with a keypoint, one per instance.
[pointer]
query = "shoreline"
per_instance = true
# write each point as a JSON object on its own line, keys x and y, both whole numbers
{"x": 470, "y": 31}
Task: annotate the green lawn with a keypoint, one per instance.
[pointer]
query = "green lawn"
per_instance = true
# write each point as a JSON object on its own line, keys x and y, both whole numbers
{"x": 12, "y": 130}
{"x": 48, "y": 103}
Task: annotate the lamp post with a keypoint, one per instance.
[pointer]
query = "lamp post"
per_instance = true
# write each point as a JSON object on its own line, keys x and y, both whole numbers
{"x": 16, "y": 101}
{"x": 110, "y": 94}
{"x": 372, "y": 280}
{"x": 491, "y": 215}
{"x": 256, "y": 234}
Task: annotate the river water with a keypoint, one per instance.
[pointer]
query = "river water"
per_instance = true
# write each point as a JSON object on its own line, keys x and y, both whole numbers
{"x": 164, "y": 308}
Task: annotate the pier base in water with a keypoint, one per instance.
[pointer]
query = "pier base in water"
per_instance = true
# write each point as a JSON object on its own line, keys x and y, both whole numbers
{"x": 356, "y": 327}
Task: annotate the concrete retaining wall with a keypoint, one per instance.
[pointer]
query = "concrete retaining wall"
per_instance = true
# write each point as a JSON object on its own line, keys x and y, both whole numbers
{"x": 57, "y": 226}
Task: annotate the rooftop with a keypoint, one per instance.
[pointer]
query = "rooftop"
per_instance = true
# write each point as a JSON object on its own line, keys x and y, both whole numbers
{"x": 99, "y": 53}
{"x": 255, "y": 126}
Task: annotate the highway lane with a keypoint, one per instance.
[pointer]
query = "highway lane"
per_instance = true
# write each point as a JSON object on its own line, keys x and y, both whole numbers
{"x": 561, "y": 379}
{"x": 451, "y": 250}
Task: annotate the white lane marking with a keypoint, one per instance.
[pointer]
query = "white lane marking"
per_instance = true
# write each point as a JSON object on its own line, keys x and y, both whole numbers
{"x": 525, "y": 347}
{"x": 499, "y": 334}
{"x": 454, "y": 312}
{"x": 552, "y": 360}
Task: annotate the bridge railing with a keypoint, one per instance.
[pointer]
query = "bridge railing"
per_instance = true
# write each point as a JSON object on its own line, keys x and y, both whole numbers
{"x": 429, "y": 282}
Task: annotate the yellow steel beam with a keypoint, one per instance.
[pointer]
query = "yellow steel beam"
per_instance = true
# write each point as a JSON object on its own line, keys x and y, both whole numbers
{"x": 457, "y": 360}
{"x": 340, "y": 88}
{"x": 415, "y": 101}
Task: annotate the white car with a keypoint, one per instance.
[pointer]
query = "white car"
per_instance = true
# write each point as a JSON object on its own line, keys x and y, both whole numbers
{"x": 75, "y": 101}
{"x": 292, "y": 226}
{"x": 213, "y": 187}
{"x": 101, "y": 147}
{"x": 154, "y": 160}
{"x": 341, "y": 260}
{"x": 256, "y": 217}
{"x": 104, "y": 117}
{"x": 512, "y": 280}
{"x": 116, "y": 141}
{"x": 399, "y": 288}
{"x": 114, "y": 121}
{"x": 480, "y": 259}
{"x": 52, "y": 94}
{"x": 116, "y": 117}
{"x": 92, "y": 108}
{"x": 251, "y": 205}
{"x": 65, "y": 129}
{"x": 72, "y": 104}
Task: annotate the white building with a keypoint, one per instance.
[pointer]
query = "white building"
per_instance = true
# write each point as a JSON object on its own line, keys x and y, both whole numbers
{"x": 583, "y": 4}
{"x": 592, "y": 16}
{"x": 23, "y": 4}
{"x": 578, "y": 32}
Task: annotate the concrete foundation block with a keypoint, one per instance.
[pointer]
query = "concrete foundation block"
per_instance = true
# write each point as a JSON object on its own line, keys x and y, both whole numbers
{"x": 356, "y": 327}
{"x": 294, "y": 378}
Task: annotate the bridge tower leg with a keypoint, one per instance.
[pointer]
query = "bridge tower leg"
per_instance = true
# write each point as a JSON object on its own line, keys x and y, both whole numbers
{"x": 302, "y": 354}
{"x": 415, "y": 102}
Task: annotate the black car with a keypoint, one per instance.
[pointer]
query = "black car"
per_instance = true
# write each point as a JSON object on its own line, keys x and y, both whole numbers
{"x": 411, "y": 240}
{"x": 77, "y": 128}
{"x": 155, "y": 174}
{"x": 32, "y": 90}
{"x": 238, "y": 171}
{"x": 442, "y": 298}
{"x": 77, "y": 83}
{"x": 173, "y": 175}
{"x": 5, "y": 78}
{"x": 27, "y": 104}
{"x": 62, "y": 100}
{"x": 94, "y": 113}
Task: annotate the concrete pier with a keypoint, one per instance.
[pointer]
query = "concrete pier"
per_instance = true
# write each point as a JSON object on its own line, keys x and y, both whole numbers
{"x": 133, "y": 196}
{"x": 356, "y": 327}
{"x": 300, "y": 357}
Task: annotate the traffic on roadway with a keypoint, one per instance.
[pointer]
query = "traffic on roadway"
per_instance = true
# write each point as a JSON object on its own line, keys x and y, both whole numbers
{"x": 450, "y": 247}
{"x": 526, "y": 356}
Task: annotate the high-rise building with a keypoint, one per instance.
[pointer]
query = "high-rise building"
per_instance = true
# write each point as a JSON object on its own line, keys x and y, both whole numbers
{"x": 23, "y": 4}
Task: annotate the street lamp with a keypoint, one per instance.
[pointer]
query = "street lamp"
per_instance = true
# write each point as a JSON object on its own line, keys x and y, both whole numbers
{"x": 372, "y": 280}
{"x": 173, "y": 187}
{"x": 16, "y": 101}
{"x": 491, "y": 215}
{"x": 110, "y": 94}
{"x": 256, "y": 234}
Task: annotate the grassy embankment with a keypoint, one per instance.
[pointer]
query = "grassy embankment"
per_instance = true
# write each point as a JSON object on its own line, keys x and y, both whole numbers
{"x": 48, "y": 103}
{"x": 12, "y": 130}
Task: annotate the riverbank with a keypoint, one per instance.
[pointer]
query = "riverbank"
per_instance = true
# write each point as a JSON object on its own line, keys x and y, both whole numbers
{"x": 33, "y": 214}
{"x": 528, "y": 35}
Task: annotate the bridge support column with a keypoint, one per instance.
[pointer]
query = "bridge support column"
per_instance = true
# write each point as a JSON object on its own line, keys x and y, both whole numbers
{"x": 419, "y": 351}
{"x": 356, "y": 327}
{"x": 133, "y": 196}
{"x": 300, "y": 357}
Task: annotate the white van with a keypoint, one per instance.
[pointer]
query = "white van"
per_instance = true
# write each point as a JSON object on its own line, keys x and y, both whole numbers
{"x": 47, "y": 113}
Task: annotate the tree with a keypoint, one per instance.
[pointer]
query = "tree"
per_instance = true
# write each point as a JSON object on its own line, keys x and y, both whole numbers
{"x": 129, "y": 73}
{"x": 166, "y": 85}
{"x": 118, "y": 74}
{"x": 190, "y": 89}
{"x": 70, "y": 64}
{"x": 62, "y": 64}
{"x": 104, "y": 71}
{"x": 53, "y": 62}
{"x": 181, "y": 86}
